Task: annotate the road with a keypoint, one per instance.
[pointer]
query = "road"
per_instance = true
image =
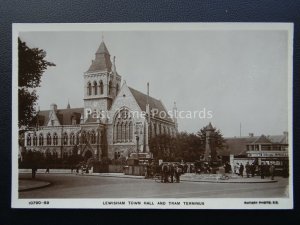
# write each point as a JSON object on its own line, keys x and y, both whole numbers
{"x": 78, "y": 186}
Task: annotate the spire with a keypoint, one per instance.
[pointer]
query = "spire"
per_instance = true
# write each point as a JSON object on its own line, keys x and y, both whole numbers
{"x": 68, "y": 106}
{"x": 209, "y": 126}
{"x": 102, "y": 59}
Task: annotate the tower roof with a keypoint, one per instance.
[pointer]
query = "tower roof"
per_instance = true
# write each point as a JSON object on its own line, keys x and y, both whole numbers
{"x": 102, "y": 49}
{"x": 102, "y": 60}
{"x": 209, "y": 126}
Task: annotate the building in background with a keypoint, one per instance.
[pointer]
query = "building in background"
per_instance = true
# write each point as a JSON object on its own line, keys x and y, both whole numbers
{"x": 271, "y": 149}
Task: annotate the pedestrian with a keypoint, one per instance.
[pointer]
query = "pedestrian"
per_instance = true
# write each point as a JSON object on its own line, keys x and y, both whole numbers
{"x": 237, "y": 168}
{"x": 262, "y": 171}
{"x": 252, "y": 169}
{"x": 248, "y": 169}
{"x": 33, "y": 171}
{"x": 166, "y": 170}
{"x": 47, "y": 170}
{"x": 171, "y": 172}
{"x": 241, "y": 170}
{"x": 177, "y": 173}
{"x": 272, "y": 171}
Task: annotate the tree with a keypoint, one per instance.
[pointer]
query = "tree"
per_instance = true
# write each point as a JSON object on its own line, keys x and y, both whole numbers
{"x": 32, "y": 65}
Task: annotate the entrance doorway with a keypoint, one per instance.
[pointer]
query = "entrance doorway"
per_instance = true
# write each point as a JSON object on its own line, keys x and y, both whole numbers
{"x": 88, "y": 154}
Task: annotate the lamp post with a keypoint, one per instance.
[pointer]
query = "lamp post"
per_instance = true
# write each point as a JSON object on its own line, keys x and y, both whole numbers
{"x": 137, "y": 145}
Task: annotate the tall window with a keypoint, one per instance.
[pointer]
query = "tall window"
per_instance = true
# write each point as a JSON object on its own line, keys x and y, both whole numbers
{"x": 72, "y": 139}
{"x": 29, "y": 140}
{"x": 55, "y": 139}
{"x": 83, "y": 137}
{"x": 41, "y": 139}
{"x": 93, "y": 137}
{"x": 109, "y": 88}
{"x": 89, "y": 88}
{"x": 101, "y": 87}
{"x": 95, "y": 88}
{"x": 123, "y": 127}
{"x": 77, "y": 138}
{"x": 48, "y": 139}
{"x": 34, "y": 140}
{"x": 65, "y": 138}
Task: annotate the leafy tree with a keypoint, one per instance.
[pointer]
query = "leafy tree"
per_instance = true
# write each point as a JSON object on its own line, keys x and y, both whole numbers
{"x": 32, "y": 65}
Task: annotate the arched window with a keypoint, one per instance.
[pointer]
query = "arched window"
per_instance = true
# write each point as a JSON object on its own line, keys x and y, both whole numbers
{"x": 28, "y": 140}
{"x": 101, "y": 87}
{"x": 48, "y": 139}
{"x": 34, "y": 139}
{"x": 126, "y": 131}
{"x": 130, "y": 129}
{"x": 55, "y": 139}
{"x": 115, "y": 132}
{"x": 41, "y": 139}
{"x": 65, "y": 138}
{"x": 89, "y": 88}
{"x": 72, "y": 139}
{"x": 93, "y": 137}
{"x": 117, "y": 88}
{"x": 123, "y": 127}
{"x": 95, "y": 88}
{"x": 83, "y": 137}
{"x": 119, "y": 131}
{"x": 77, "y": 139}
{"x": 109, "y": 88}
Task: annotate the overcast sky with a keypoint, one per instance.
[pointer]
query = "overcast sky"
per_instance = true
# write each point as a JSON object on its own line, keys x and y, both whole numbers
{"x": 241, "y": 76}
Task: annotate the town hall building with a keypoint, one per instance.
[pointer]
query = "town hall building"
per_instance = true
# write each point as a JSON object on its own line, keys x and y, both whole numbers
{"x": 115, "y": 121}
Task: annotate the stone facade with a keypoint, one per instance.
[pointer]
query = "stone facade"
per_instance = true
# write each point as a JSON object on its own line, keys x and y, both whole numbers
{"x": 115, "y": 121}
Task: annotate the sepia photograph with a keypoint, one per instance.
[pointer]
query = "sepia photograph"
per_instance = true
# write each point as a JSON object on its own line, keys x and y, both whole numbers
{"x": 152, "y": 116}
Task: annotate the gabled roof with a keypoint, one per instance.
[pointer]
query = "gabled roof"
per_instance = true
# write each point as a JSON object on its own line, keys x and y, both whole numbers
{"x": 236, "y": 146}
{"x": 102, "y": 60}
{"x": 262, "y": 140}
{"x": 280, "y": 139}
{"x": 141, "y": 99}
{"x": 64, "y": 116}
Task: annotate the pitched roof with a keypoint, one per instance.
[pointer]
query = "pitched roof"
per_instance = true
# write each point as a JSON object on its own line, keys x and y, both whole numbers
{"x": 141, "y": 99}
{"x": 237, "y": 145}
{"x": 209, "y": 126}
{"x": 102, "y": 60}
{"x": 262, "y": 140}
{"x": 64, "y": 116}
{"x": 280, "y": 139}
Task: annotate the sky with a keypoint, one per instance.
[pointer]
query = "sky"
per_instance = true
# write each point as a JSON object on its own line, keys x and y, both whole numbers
{"x": 241, "y": 76}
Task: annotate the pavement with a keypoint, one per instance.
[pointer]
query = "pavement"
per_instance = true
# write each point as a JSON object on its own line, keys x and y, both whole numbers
{"x": 31, "y": 184}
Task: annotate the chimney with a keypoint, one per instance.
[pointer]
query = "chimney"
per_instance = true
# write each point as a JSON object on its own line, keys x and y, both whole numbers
{"x": 286, "y": 135}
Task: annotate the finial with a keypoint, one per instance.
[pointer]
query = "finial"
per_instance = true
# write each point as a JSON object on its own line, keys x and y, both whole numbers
{"x": 68, "y": 106}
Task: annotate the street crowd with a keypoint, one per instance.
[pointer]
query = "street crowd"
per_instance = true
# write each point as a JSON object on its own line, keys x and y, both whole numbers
{"x": 250, "y": 170}
{"x": 167, "y": 172}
